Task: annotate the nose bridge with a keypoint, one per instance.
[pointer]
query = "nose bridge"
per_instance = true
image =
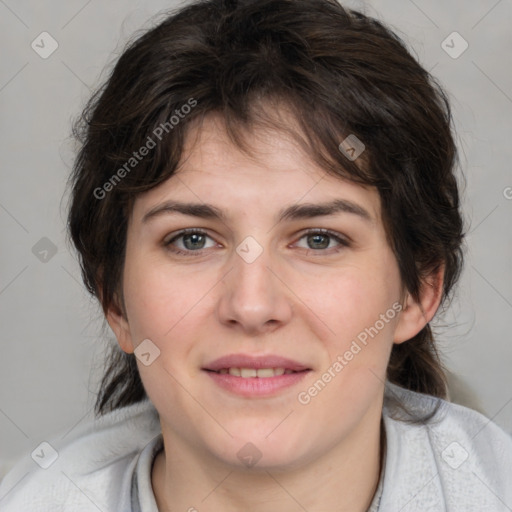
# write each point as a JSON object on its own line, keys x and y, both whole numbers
{"x": 253, "y": 298}
{"x": 253, "y": 275}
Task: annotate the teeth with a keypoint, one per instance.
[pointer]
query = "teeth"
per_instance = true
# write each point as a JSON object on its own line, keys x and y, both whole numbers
{"x": 247, "y": 373}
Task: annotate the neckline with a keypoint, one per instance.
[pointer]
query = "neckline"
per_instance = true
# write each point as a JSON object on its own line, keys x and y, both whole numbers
{"x": 142, "y": 495}
{"x": 375, "y": 504}
{"x": 142, "y": 475}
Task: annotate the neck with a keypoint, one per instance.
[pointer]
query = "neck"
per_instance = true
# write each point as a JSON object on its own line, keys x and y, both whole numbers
{"x": 344, "y": 479}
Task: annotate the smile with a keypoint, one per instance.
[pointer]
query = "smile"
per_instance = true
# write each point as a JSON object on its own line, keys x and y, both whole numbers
{"x": 247, "y": 373}
{"x": 256, "y": 383}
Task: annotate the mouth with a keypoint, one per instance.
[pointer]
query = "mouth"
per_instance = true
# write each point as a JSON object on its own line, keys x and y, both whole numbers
{"x": 269, "y": 383}
{"x": 260, "y": 373}
{"x": 244, "y": 365}
{"x": 255, "y": 376}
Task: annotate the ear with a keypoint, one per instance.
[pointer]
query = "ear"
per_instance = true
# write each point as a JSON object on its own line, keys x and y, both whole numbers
{"x": 118, "y": 322}
{"x": 416, "y": 314}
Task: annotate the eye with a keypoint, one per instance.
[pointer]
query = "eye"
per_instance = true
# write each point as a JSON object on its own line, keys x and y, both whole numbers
{"x": 189, "y": 241}
{"x": 192, "y": 242}
{"x": 323, "y": 239}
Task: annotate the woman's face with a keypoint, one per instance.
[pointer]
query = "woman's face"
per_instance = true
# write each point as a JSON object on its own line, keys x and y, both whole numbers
{"x": 280, "y": 260}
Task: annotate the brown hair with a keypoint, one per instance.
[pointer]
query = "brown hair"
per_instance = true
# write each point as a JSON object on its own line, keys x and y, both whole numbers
{"x": 340, "y": 73}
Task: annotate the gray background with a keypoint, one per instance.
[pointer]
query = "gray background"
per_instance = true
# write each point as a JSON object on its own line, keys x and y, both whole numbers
{"x": 53, "y": 335}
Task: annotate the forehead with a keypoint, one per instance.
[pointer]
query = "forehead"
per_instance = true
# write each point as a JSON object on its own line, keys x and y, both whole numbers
{"x": 276, "y": 172}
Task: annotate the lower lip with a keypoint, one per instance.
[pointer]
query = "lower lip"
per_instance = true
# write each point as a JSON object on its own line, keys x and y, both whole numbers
{"x": 256, "y": 386}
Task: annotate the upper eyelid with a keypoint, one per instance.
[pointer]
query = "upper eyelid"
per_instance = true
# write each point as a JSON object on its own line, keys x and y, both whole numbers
{"x": 178, "y": 234}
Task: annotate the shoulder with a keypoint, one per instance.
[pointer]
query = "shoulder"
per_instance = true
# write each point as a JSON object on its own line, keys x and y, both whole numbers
{"x": 90, "y": 470}
{"x": 455, "y": 459}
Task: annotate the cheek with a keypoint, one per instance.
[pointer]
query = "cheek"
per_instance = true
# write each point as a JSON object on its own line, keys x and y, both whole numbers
{"x": 353, "y": 299}
{"x": 156, "y": 301}
{"x": 169, "y": 308}
{"x": 162, "y": 307}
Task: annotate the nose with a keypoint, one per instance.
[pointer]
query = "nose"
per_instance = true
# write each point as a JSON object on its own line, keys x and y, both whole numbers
{"x": 255, "y": 298}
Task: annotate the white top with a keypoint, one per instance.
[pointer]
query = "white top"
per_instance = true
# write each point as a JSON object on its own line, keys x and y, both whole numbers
{"x": 459, "y": 461}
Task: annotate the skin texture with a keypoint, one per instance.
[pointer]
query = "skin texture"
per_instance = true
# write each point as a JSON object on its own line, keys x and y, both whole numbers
{"x": 297, "y": 299}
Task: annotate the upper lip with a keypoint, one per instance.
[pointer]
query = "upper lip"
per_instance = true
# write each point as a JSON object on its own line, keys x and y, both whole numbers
{"x": 248, "y": 361}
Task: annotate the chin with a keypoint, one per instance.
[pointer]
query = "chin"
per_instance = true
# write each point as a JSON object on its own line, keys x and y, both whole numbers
{"x": 257, "y": 453}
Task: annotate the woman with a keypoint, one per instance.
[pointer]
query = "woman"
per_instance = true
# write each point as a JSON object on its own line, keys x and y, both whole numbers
{"x": 265, "y": 205}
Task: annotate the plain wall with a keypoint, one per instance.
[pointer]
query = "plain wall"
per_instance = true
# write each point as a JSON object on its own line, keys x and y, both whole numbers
{"x": 52, "y": 338}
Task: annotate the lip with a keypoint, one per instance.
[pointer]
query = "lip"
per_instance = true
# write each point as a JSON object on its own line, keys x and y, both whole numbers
{"x": 256, "y": 362}
{"x": 253, "y": 387}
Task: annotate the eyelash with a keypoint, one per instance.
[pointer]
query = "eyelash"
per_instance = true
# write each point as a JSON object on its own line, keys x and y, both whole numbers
{"x": 336, "y": 236}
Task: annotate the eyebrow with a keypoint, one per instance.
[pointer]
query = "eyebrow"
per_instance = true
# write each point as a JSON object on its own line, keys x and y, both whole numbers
{"x": 294, "y": 212}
